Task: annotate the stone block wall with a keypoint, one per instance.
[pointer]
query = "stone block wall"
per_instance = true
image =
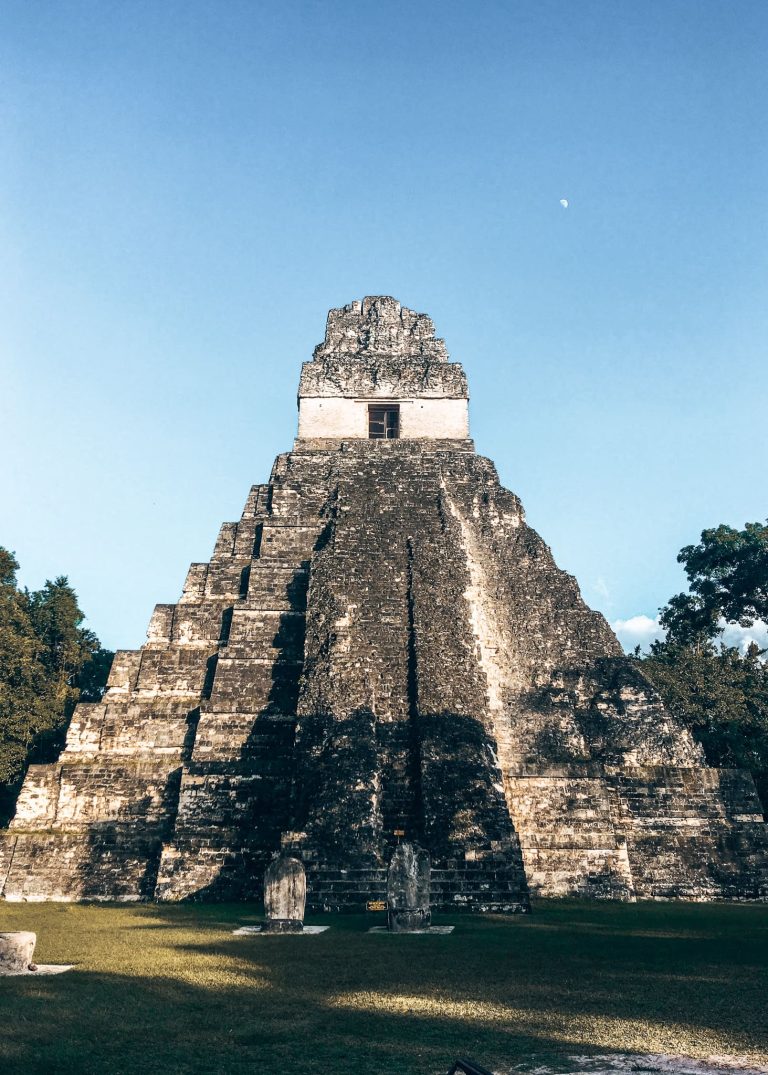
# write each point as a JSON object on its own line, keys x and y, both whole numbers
{"x": 379, "y": 649}
{"x": 381, "y": 646}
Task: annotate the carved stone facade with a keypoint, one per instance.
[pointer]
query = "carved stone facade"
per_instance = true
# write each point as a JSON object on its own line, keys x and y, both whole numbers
{"x": 377, "y": 352}
{"x": 381, "y": 648}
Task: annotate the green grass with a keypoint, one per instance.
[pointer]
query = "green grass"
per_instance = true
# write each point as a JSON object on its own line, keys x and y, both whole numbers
{"x": 168, "y": 988}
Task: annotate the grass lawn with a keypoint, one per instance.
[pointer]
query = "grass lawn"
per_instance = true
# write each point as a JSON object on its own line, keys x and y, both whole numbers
{"x": 168, "y": 988}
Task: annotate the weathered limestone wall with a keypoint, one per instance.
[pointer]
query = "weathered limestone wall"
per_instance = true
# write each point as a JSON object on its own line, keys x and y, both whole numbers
{"x": 167, "y": 762}
{"x": 234, "y": 801}
{"x": 382, "y": 646}
{"x": 447, "y": 681}
{"x": 379, "y": 350}
{"x": 430, "y": 419}
{"x": 391, "y": 734}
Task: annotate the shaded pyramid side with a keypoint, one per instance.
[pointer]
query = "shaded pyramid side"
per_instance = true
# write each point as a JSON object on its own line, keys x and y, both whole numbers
{"x": 393, "y": 741}
{"x": 451, "y": 667}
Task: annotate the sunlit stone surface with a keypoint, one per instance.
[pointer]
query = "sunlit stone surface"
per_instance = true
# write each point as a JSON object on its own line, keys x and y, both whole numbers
{"x": 381, "y": 649}
{"x": 285, "y": 894}
{"x": 16, "y": 952}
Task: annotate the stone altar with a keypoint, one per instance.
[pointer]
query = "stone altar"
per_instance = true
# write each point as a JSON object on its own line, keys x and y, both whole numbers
{"x": 16, "y": 952}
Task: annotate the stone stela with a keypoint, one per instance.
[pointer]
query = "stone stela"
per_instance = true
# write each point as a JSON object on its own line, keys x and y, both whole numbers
{"x": 381, "y": 644}
{"x": 408, "y": 888}
{"x": 285, "y": 895}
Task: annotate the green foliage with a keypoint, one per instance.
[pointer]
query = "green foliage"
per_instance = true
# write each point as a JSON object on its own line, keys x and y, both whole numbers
{"x": 721, "y": 695}
{"x": 718, "y": 692}
{"x": 727, "y": 578}
{"x": 48, "y": 661}
{"x": 22, "y": 675}
{"x": 92, "y": 677}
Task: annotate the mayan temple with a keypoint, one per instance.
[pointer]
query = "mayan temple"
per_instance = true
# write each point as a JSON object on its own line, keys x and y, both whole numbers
{"x": 379, "y": 649}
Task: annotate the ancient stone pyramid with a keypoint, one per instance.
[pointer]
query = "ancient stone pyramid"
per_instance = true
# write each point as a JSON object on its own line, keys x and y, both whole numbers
{"x": 381, "y": 647}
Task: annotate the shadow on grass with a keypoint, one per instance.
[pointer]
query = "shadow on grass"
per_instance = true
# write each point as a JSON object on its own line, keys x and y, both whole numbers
{"x": 168, "y": 988}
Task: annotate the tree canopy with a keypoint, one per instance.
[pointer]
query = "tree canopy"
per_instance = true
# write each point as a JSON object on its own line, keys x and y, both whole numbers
{"x": 727, "y": 579}
{"x": 48, "y": 662}
{"x": 720, "y": 693}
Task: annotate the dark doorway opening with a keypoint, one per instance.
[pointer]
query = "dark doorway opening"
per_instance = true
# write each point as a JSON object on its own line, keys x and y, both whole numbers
{"x": 384, "y": 422}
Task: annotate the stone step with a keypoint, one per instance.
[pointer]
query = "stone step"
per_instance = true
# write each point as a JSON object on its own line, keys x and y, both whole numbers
{"x": 472, "y": 890}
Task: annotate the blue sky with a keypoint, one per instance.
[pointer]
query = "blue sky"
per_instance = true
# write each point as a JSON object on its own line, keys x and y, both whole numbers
{"x": 186, "y": 188}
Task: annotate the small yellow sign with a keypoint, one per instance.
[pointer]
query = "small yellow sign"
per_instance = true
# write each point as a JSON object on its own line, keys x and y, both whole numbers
{"x": 376, "y": 905}
{"x": 399, "y": 832}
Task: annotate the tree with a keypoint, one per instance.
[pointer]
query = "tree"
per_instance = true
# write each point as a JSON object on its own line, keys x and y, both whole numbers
{"x": 727, "y": 579}
{"x": 720, "y": 693}
{"x": 23, "y": 687}
{"x": 48, "y": 662}
{"x": 92, "y": 677}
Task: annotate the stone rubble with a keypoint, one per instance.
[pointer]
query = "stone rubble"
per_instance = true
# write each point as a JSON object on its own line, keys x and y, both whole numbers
{"x": 626, "y": 1063}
